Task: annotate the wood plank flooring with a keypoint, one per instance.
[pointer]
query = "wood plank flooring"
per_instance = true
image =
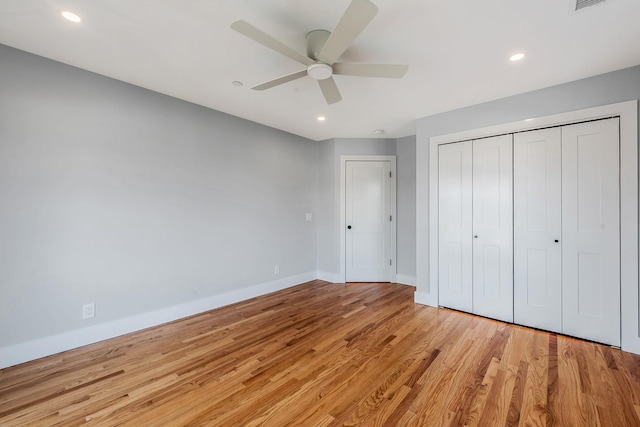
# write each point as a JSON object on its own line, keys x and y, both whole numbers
{"x": 322, "y": 354}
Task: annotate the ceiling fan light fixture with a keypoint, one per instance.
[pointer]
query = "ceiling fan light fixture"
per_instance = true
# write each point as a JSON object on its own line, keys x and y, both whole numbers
{"x": 319, "y": 71}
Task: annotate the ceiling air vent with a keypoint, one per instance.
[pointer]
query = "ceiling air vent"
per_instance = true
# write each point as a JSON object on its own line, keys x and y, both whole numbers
{"x": 581, "y": 4}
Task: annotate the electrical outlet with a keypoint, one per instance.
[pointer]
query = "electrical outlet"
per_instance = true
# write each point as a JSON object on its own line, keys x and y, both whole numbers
{"x": 276, "y": 270}
{"x": 88, "y": 311}
{"x": 309, "y": 217}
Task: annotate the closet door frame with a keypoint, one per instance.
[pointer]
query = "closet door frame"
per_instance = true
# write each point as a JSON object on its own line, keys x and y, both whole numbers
{"x": 427, "y": 205}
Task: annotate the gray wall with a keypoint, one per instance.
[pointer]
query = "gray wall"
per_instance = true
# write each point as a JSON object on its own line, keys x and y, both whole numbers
{"x": 617, "y": 86}
{"x": 136, "y": 201}
{"x": 406, "y": 208}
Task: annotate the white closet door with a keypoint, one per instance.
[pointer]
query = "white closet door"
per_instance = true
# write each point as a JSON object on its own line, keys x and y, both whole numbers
{"x": 537, "y": 299}
{"x": 454, "y": 225}
{"x": 591, "y": 231}
{"x": 493, "y": 228}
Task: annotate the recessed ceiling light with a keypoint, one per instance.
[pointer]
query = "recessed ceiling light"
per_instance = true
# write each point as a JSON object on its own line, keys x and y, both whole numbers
{"x": 378, "y": 131}
{"x": 517, "y": 57}
{"x": 529, "y": 120}
{"x": 70, "y": 16}
{"x": 236, "y": 83}
{"x": 321, "y": 118}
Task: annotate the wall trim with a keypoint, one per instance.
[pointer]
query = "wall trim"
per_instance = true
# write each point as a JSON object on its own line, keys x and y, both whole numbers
{"x": 46, "y": 346}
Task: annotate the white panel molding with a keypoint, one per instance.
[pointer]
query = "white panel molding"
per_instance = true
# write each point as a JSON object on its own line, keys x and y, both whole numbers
{"x": 427, "y": 204}
{"x": 343, "y": 168}
{"x": 35, "y": 349}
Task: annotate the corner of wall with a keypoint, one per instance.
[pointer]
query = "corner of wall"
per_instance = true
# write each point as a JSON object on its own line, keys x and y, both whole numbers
{"x": 424, "y": 299}
{"x": 406, "y": 280}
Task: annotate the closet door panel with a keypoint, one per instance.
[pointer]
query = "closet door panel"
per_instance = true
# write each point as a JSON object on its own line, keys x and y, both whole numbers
{"x": 537, "y": 229}
{"x": 591, "y": 230}
{"x": 493, "y": 228}
{"x": 454, "y": 226}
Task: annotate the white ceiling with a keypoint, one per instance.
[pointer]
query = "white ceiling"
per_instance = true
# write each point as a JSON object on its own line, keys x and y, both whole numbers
{"x": 457, "y": 51}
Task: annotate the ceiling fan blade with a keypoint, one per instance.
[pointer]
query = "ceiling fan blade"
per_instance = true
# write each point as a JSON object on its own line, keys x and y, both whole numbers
{"x": 394, "y": 71}
{"x": 248, "y": 30}
{"x": 355, "y": 19}
{"x": 281, "y": 80}
{"x": 330, "y": 90}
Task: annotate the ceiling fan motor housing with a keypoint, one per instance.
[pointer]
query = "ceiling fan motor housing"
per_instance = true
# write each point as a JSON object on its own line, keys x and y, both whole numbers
{"x": 315, "y": 41}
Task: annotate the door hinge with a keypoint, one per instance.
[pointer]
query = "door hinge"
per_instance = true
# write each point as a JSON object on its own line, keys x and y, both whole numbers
{"x": 390, "y": 217}
{"x": 389, "y": 174}
{"x": 390, "y": 262}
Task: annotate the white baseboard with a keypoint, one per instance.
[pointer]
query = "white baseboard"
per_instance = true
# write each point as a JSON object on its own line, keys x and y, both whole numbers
{"x": 337, "y": 278}
{"x": 31, "y": 350}
{"x": 406, "y": 280}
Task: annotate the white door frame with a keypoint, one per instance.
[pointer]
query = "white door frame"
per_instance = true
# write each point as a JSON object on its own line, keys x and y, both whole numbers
{"x": 427, "y": 205}
{"x": 343, "y": 203}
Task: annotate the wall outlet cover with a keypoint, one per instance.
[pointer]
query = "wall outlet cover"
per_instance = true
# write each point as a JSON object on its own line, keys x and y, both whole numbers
{"x": 88, "y": 311}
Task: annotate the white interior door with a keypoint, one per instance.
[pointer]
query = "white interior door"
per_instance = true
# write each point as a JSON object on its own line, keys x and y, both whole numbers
{"x": 368, "y": 219}
{"x": 591, "y": 230}
{"x": 537, "y": 299}
{"x": 455, "y": 226}
{"x": 493, "y": 227}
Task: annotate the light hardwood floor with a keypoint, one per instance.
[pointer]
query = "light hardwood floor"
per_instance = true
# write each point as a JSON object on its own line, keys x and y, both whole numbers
{"x": 323, "y": 354}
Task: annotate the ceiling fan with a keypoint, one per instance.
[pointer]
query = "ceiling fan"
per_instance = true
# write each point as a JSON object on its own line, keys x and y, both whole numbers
{"x": 323, "y": 50}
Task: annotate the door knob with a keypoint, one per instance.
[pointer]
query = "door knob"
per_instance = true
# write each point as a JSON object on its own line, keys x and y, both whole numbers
{"x": 349, "y": 227}
{"x": 475, "y": 236}
{"x": 556, "y": 241}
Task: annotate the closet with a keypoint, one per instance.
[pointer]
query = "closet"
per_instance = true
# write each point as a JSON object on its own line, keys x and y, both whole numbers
{"x": 529, "y": 228}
